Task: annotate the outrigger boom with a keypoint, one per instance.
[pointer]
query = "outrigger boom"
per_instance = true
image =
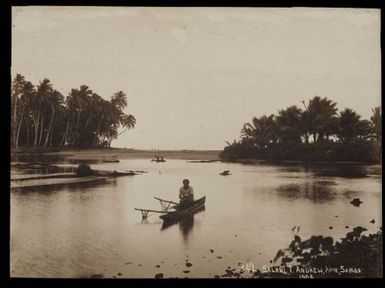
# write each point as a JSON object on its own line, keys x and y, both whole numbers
{"x": 165, "y": 204}
{"x": 165, "y": 200}
{"x": 145, "y": 212}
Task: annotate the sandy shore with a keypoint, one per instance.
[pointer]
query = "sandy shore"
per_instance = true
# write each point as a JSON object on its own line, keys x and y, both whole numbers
{"x": 121, "y": 153}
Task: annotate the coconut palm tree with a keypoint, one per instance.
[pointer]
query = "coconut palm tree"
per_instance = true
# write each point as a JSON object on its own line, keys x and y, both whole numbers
{"x": 348, "y": 124}
{"x": 119, "y": 100}
{"x": 261, "y": 132}
{"x": 82, "y": 120}
{"x": 321, "y": 117}
{"x": 351, "y": 127}
{"x": 17, "y": 90}
{"x": 55, "y": 101}
{"x": 127, "y": 122}
{"x": 38, "y": 107}
{"x": 77, "y": 102}
{"x": 289, "y": 122}
{"x": 99, "y": 111}
{"x": 24, "y": 106}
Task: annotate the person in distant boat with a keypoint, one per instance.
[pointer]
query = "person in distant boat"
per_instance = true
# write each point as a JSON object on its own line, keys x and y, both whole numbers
{"x": 186, "y": 194}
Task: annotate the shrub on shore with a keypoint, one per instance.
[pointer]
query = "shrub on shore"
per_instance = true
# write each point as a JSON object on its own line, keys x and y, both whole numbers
{"x": 84, "y": 170}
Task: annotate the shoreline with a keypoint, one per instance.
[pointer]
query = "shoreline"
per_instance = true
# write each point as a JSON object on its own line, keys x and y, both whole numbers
{"x": 121, "y": 153}
{"x": 205, "y": 155}
{"x": 299, "y": 162}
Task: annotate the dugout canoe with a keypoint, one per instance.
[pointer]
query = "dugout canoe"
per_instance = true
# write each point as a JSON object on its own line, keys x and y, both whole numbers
{"x": 181, "y": 213}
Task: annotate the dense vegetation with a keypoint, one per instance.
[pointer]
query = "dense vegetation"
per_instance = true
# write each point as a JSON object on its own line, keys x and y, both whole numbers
{"x": 354, "y": 256}
{"x": 42, "y": 117}
{"x": 316, "y": 133}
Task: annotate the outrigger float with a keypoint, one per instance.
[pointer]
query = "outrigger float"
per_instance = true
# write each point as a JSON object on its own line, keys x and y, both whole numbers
{"x": 171, "y": 210}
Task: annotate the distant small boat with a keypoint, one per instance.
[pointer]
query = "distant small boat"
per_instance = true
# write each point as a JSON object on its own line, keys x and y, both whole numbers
{"x": 158, "y": 159}
{"x": 111, "y": 161}
{"x": 225, "y": 173}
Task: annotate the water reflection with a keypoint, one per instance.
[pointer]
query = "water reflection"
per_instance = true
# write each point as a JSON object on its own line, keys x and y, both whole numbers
{"x": 37, "y": 158}
{"x": 48, "y": 170}
{"x": 55, "y": 188}
{"x": 51, "y": 159}
{"x": 317, "y": 192}
{"x": 186, "y": 224}
{"x": 343, "y": 171}
{"x": 144, "y": 220}
{"x": 50, "y": 228}
{"x": 329, "y": 170}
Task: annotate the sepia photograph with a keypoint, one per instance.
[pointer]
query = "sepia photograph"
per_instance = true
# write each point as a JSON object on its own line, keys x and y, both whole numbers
{"x": 195, "y": 142}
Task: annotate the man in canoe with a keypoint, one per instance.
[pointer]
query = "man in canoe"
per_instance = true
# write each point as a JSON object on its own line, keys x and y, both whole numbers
{"x": 186, "y": 195}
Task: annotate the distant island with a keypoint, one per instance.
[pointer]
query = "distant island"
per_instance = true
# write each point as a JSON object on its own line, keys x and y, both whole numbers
{"x": 316, "y": 133}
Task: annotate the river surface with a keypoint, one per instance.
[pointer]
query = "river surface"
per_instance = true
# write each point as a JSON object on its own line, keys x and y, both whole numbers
{"x": 248, "y": 217}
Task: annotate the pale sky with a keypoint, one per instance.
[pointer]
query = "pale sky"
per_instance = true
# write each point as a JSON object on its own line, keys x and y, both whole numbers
{"x": 194, "y": 76}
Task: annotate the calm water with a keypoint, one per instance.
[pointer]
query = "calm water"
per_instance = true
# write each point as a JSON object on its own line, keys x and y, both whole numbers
{"x": 77, "y": 232}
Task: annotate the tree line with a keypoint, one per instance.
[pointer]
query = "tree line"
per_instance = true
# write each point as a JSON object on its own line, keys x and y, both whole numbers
{"x": 316, "y": 132}
{"x": 41, "y": 116}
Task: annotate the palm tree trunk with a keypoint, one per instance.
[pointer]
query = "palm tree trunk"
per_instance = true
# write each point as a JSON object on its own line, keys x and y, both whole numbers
{"x": 35, "y": 119}
{"x": 14, "y": 122}
{"x": 41, "y": 128}
{"x": 98, "y": 131}
{"x": 18, "y": 129}
{"x": 50, "y": 127}
{"x": 71, "y": 133}
{"x": 65, "y": 137}
{"x": 77, "y": 125}
{"x": 123, "y": 131}
{"x": 27, "y": 127}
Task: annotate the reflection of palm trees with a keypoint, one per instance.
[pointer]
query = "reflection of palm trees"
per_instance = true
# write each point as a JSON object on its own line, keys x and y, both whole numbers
{"x": 344, "y": 171}
{"x": 317, "y": 192}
